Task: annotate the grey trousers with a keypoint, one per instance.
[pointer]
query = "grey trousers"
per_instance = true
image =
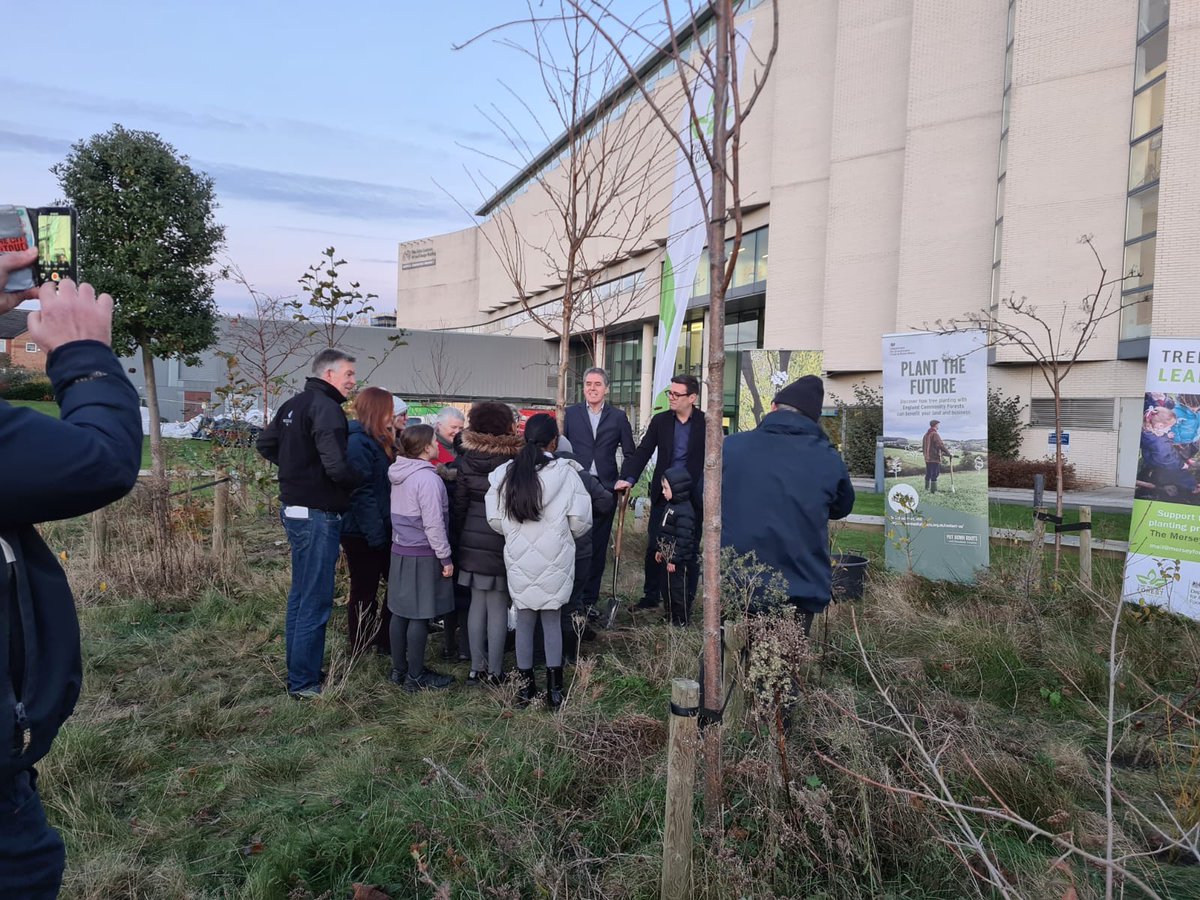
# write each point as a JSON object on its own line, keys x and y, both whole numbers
{"x": 487, "y": 627}
{"x": 551, "y": 631}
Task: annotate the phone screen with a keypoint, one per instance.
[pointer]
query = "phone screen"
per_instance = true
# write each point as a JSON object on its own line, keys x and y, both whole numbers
{"x": 56, "y": 245}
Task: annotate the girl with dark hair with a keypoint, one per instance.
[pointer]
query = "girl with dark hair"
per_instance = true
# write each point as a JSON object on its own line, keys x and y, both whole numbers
{"x": 366, "y": 526}
{"x": 419, "y": 586}
{"x": 487, "y": 443}
{"x": 540, "y": 505}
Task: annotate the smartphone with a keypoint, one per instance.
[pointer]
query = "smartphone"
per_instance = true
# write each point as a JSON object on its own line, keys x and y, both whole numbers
{"x": 52, "y": 229}
{"x": 57, "y": 244}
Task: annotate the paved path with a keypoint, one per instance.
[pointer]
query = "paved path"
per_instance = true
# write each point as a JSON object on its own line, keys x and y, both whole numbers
{"x": 1107, "y": 499}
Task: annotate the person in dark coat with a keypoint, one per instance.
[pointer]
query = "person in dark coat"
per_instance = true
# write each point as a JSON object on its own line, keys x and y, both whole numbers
{"x": 307, "y": 440}
{"x": 595, "y": 430}
{"x": 603, "y": 504}
{"x": 366, "y": 526}
{"x": 678, "y": 539}
{"x": 51, "y": 468}
{"x": 487, "y": 443}
{"x": 677, "y": 435}
{"x": 780, "y": 485}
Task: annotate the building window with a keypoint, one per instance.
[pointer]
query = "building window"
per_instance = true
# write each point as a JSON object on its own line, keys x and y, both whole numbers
{"x": 749, "y": 271}
{"x": 3, "y": 345}
{"x": 31, "y": 347}
{"x": 623, "y": 360}
{"x": 1145, "y": 153}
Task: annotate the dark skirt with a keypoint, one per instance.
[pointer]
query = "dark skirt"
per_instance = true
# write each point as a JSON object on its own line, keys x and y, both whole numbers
{"x": 481, "y": 582}
{"x": 416, "y": 588}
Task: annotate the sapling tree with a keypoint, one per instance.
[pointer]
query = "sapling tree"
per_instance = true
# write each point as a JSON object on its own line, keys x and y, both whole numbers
{"x": 704, "y": 114}
{"x": 603, "y": 189}
{"x": 1054, "y": 338}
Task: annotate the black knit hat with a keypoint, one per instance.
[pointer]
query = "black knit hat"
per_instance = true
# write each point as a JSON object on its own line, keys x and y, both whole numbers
{"x": 806, "y": 395}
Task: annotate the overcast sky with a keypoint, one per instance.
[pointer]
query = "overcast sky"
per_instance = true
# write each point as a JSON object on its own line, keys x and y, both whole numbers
{"x": 322, "y": 124}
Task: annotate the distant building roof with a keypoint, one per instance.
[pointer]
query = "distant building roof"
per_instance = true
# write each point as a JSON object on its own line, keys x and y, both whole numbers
{"x": 14, "y": 323}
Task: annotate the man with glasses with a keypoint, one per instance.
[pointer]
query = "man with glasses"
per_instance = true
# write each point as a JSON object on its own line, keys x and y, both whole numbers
{"x": 595, "y": 429}
{"x": 677, "y": 434}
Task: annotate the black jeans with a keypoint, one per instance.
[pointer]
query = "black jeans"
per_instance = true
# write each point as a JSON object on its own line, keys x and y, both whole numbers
{"x": 32, "y": 855}
{"x": 676, "y": 595}
{"x": 601, "y": 531}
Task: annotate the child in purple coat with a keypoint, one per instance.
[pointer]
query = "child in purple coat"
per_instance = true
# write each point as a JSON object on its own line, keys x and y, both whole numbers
{"x": 419, "y": 586}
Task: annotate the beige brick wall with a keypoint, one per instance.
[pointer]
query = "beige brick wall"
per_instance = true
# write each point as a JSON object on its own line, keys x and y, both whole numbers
{"x": 1177, "y": 262}
{"x": 803, "y": 120}
{"x": 955, "y": 89}
{"x": 866, "y": 181}
{"x": 1068, "y": 154}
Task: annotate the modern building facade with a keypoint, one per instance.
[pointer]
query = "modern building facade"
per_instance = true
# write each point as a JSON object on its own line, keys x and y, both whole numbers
{"x": 914, "y": 161}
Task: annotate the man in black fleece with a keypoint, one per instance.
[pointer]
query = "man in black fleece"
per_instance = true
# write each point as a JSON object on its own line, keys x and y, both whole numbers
{"x": 51, "y": 469}
{"x": 676, "y": 547}
{"x": 307, "y": 440}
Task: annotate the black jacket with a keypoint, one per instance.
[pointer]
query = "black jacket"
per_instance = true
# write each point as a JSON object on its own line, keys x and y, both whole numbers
{"x": 54, "y": 469}
{"x": 677, "y": 527}
{"x": 369, "y": 516}
{"x": 307, "y": 440}
{"x": 603, "y": 504}
{"x": 477, "y": 548}
{"x": 781, "y": 484}
{"x": 612, "y": 431}
{"x": 660, "y": 436}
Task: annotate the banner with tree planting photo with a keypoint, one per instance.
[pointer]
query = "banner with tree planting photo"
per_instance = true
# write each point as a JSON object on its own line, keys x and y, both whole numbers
{"x": 761, "y": 375}
{"x": 1162, "y": 567}
{"x": 935, "y": 454}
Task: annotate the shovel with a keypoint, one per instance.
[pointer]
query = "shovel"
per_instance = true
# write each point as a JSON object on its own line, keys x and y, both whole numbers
{"x": 610, "y": 615}
{"x": 952, "y": 490}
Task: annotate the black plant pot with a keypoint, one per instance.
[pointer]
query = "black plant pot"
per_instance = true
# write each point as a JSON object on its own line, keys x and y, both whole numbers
{"x": 849, "y": 576}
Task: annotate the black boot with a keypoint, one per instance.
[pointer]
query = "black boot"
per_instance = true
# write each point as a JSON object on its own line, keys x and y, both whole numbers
{"x": 528, "y": 687}
{"x": 554, "y": 687}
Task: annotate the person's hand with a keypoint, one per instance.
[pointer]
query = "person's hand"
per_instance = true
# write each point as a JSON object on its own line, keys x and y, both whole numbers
{"x": 448, "y": 571}
{"x": 622, "y": 485}
{"x": 671, "y": 568}
{"x": 70, "y": 313}
{"x": 9, "y": 263}
{"x": 658, "y": 557}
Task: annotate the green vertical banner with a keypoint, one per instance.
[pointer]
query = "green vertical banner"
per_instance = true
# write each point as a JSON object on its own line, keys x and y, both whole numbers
{"x": 761, "y": 375}
{"x": 1162, "y": 567}
{"x": 935, "y": 454}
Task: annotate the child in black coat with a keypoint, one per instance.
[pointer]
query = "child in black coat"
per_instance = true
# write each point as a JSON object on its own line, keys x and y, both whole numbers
{"x": 677, "y": 539}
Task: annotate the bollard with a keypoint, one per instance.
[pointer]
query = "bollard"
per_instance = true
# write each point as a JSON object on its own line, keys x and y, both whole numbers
{"x": 1085, "y": 547}
{"x": 99, "y": 535}
{"x": 679, "y": 825}
{"x": 220, "y": 517}
{"x": 1037, "y": 551}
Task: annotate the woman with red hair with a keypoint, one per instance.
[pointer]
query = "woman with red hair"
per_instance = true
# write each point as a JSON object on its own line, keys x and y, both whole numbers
{"x": 367, "y": 527}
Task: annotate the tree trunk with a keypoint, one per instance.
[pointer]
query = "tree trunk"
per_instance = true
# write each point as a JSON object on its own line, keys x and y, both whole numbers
{"x": 564, "y": 363}
{"x": 1058, "y": 473}
{"x": 158, "y": 460}
{"x": 714, "y": 434}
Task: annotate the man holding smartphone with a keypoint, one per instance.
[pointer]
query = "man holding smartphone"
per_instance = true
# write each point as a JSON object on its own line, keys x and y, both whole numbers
{"x": 51, "y": 469}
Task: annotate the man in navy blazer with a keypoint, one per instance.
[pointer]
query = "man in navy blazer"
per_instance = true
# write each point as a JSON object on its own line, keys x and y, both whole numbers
{"x": 595, "y": 430}
{"x": 678, "y": 436}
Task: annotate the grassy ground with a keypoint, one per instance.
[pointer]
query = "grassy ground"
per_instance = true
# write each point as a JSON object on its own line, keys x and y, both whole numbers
{"x": 187, "y": 772}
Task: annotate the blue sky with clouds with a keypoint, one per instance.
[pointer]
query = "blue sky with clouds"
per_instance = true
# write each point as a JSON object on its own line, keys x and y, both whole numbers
{"x": 321, "y": 123}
